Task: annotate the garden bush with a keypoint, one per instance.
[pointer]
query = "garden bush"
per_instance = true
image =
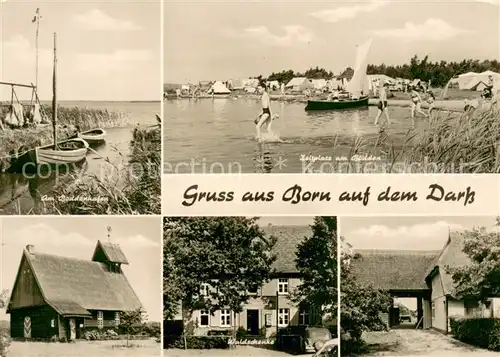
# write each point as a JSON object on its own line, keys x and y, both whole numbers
{"x": 479, "y": 332}
{"x": 200, "y": 342}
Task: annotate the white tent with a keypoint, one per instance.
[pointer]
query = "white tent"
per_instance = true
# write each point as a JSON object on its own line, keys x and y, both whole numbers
{"x": 319, "y": 83}
{"x": 219, "y": 88}
{"x": 299, "y": 84}
{"x": 476, "y": 84}
{"x": 465, "y": 78}
{"x": 273, "y": 85}
{"x": 470, "y": 79}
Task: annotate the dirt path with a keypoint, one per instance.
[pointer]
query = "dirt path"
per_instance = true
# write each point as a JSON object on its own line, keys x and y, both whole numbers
{"x": 420, "y": 343}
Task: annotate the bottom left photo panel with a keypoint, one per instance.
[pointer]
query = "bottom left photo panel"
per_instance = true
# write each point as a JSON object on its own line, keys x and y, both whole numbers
{"x": 80, "y": 286}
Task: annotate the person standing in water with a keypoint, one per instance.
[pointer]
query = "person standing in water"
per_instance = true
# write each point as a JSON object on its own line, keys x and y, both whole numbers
{"x": 416, "y": 105}
{"x": 431, "y": 101}
{"x": 266, "y": 109}
{"x": 382, "y": 104}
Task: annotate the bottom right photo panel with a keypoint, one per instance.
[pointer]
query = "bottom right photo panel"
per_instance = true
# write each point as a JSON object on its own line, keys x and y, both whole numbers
{"x": 419, "y": 286}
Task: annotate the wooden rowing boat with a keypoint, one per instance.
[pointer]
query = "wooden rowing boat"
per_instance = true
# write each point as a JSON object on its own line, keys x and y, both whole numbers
{"x": 336, "y": 104}
{"x": 93, "y": 136}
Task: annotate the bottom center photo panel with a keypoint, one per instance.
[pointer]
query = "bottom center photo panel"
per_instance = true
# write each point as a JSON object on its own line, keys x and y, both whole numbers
{"x": 250, "y": 286}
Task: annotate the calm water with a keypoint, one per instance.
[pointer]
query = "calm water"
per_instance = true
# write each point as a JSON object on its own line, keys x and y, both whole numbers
{"x": 214, "y": 136}
{"x": 20, "y": 194}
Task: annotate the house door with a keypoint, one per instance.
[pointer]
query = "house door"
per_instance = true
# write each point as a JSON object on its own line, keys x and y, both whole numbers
{"x": 72, "y": 329}
{"x": 253, "y": 322}
{"x": 27, "y": 327}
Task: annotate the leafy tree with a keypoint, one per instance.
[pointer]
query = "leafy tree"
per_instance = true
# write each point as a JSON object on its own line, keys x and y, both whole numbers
{"x": 130, "y": 321}
{"x": 4, "y": 297}
{"x": 317, "y": 263}
{"x": 231, "y": 254}
{"x": 480, "y": 279}
{"x": 360, "y": 306}
{"x": 4, "y": 337}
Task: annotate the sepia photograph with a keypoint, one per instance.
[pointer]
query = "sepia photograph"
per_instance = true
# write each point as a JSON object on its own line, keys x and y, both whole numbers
{"x": 80, "y": 106}
{"x": 241, "y": 286}
{"x": 80, "y": 287}
{"x": 331, "y": 87}
{"x": 420, "y": 286}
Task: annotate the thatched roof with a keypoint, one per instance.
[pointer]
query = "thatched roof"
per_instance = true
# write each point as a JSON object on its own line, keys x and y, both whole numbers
{"x": 73, "y": 286}
{"x": 451, "y": 256}
{"x": 393, "y": 269}
{"x": 288, "y": 238}
{"x": 112, "y": 252}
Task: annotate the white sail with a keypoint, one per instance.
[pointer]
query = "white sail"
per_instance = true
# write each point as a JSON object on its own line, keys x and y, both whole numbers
{"x": 359, "y": 82}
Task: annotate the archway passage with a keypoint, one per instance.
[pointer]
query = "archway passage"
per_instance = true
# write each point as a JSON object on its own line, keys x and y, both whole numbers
{"x": 402, "y": 274}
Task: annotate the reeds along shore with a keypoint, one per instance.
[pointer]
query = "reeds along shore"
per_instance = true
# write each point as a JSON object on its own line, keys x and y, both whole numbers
{"x": 23, "y": 139}
{"x": 448, "y": 143}
{"x": 132, "y": 188}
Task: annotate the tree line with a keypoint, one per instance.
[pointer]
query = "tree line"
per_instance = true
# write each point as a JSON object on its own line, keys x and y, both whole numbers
{"x": 439, "y": 73}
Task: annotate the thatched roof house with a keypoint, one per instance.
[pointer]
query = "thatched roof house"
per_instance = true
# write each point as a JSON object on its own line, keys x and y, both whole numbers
{"x": 63, "y": 297}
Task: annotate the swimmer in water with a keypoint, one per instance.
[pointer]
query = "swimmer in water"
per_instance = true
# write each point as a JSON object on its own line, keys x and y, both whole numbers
{"x": 382, "y": 104}
{"x": 265, "y": 116}
{"x": 416, "y": 105}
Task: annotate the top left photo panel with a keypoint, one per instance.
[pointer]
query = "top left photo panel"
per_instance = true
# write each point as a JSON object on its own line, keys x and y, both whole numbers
{"x": 80, "y": 107}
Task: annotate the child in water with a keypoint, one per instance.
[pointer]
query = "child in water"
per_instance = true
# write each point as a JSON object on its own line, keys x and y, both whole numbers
{"x": 416, "y": 104}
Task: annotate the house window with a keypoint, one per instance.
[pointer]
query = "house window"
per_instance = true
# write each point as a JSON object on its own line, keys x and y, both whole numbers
{"x": 304, "y": 317}
{"x": 225, "y": 318}
{"x": 100, "y": 319}
{"x": 283, "y": 317}
{"x": 283, "y": 286}
{"x": 204, "y": 318}
{"x": 117, "y": 318}
{"x": 204, "y": 289}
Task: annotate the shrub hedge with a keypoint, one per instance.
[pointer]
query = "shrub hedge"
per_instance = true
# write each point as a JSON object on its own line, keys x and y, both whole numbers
{"x": 198, "y": 342}
{"x": 479, "y": 332}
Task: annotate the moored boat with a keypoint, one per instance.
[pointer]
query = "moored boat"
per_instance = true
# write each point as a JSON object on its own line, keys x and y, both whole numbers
{"x": 93, "y": 136}
{"x": 336, "y": 104}
{"x": 357, "y": 86}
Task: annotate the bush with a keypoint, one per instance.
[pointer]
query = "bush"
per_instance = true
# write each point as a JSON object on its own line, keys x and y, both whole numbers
{"x": 219, "y": 333}
{"x": 479, "y": 332}
{"x": 4, "y": 344}
{"x": 241, "y": 333}
{"x": 200, "y": 342}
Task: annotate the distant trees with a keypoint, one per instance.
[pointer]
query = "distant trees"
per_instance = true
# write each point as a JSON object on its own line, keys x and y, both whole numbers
{"x": 439, "y": 73}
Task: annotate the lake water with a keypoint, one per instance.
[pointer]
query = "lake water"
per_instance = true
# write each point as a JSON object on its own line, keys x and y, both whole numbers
{"x": 218, "y": 135}
{"x": 21, "y": 195}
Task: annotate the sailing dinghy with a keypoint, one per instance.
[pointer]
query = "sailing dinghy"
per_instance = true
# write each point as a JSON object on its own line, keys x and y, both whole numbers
{"x": 357, "y": 86}
{"x": 59, "y": 153}
{"x": 93, "y": 136}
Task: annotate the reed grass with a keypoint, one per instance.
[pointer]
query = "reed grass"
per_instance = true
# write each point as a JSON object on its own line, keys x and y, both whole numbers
{"x": 133, "y": 188}
{"x": 449, "y": 143}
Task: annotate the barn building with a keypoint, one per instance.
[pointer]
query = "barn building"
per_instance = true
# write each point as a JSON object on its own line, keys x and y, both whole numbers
{"x": 59, "y": 297}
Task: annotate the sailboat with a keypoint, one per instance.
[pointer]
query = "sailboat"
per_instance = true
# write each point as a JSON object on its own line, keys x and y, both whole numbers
{"x": 65, "y": 152}
{"x": 357, "y": 86}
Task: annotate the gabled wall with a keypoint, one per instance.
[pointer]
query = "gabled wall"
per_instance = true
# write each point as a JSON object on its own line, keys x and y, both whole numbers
{"x": 26, "y": 292}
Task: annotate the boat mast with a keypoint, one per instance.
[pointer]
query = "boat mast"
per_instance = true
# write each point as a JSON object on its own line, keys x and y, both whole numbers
{"x": 54, "y": 95}
{"x": 37, "y": 20}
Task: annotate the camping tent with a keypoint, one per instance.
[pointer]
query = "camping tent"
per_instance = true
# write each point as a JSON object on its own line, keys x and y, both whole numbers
{"x": 476, "y": 84}
{"x": 237, "y": 84}
{"x": 299, "y": 84}
{"x": 470, "y": 79}
{"x": 273, "y": 85}
{"x": 319, "y": 83}
{"x": 220, "y": 88}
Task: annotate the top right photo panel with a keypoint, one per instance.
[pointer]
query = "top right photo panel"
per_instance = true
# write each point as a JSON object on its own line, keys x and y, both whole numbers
{"x": 331, "y": 87}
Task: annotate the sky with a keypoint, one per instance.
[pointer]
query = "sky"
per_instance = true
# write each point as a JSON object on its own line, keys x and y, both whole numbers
{"x": 107, "y": 50}
{"x": 221, "y": 40}
{"x": 139, "y": 237}
{"x": 406, "y": 233}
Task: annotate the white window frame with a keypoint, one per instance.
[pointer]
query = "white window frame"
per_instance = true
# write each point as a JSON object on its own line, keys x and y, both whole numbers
{"x": 283, "y": 284}
{"x": 204, "y": 313}
{"x": 304, "y": 317}
{"x": 283, "y": 315}
{"x": 204, "y": 289}
{"x": 117, "y": 318}
{"x": 225, "y": 313}
{"x": 100, "y": 319}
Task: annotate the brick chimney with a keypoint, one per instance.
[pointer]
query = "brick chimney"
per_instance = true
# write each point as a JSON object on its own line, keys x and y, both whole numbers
{"x": 30, "y": 248}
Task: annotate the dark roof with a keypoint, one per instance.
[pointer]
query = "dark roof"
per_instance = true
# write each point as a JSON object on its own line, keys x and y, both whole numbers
{"x": 171, "y": 86}
{"x": 113, "y": 252}
{"x": 393, "y": 269}
{"x": 72, "y": 286}
{"x": 451, "y": 256}
{"x": 288, "y": 238}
